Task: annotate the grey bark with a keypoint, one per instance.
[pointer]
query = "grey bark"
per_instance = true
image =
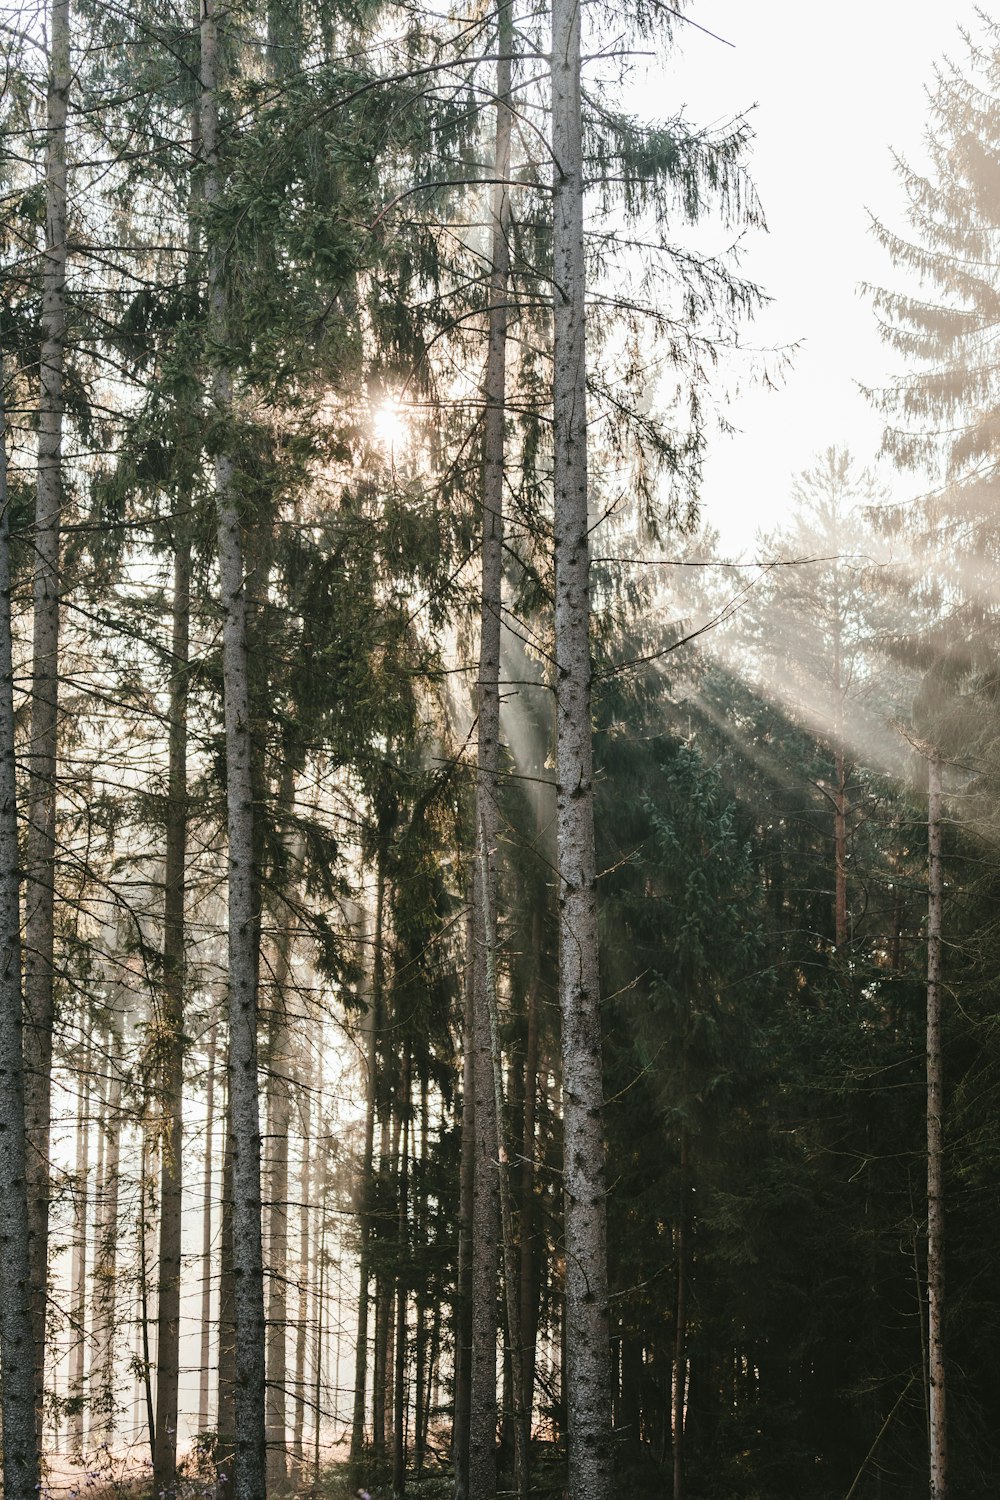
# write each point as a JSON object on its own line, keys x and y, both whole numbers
{"x": 938, "y": 1424}
{"x": 42, "y": 759}
{"x": 78, "y": 1272}
{"x": 373, "y": 1029}
{"x": 226, "y": 1404}
{"x": 280, "y": 1081}
{"x": 206, "y": 1235}
{"x": 249, "y": 1470}
{"x": 587, "y": 1332}
{"x": 529, "y": 1267}
{"x": 302, "y": 1320}
{"x": 463, "y": 1300}
{"x": 486, "y": 1208}
{"x": 20, "y": 1444}
{"x": 172, "y": 1039}
{"x": 106, "y": 1239}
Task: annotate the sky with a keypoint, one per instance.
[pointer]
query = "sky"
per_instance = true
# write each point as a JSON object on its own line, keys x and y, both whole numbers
{"x": 830, "y": 91}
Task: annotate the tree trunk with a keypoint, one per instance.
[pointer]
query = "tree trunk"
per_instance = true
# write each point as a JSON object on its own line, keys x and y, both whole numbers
{"x": 680, "y": 1324}
{"x": 243, "y": 1102}
{"x": 20, "y": 1445}
{"x": 225, "y": 1401}
{"x": 42, "y": 758}
{"x": 106, "y": 1241}
{"x": 207, "y": 1204}
{"x": 529, "y": 1269}
{"x": 840, "y": 848}
{"x": 463, "y": 1299}
{"x": 172, "y": 1038}
{"x": 78, "y": 1272}
{"x": 373, "y": 1030}
{"x": 485, "y": 1216}
{"x": 279, "y": 1121}
{"x": 938, "y": 1435}
{"x": 402, "y": 1251}
{"x": 302, "y": 1320}
{"x": 587, "y": 1332}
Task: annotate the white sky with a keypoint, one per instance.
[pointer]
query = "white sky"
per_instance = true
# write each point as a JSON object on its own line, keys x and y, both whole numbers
{"x": 836, "y": 89}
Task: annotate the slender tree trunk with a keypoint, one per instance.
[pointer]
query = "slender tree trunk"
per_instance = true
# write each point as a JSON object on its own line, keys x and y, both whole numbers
{"x": 485, "y": 1217}
{"x": 243, "y": 1103}
{"x": 529, "y": 1270}
{"x": 399, "y": 1383}
{"x": 21, "y": 1477}
{"x": 840, "y": 848}
{"x": 78, "y": 1272}
{"x": 147, "y": 1211}
{"x": 106, "y": 1241}
{"x": 463, "y": 1300}
{"x": 587, "y": 1331}
{"x": 42, "y": 761}
{"x": 383, "y": 1307}
{"x": 207, "y": 1204}
{"x": 279, "y": 1121}
{"x": 226, "y": 1398}
{"x": 302, "y": 1321}
{"x": 172, "y": 1076}
{"x": 935, "y": 1143}
{"x": 373, "y": 1028}
{"x": 680, "y": 1324}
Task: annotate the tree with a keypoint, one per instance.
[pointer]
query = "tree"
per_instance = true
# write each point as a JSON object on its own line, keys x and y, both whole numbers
{"x": 17, "y": 1358}
{"x": 587, "y": 1333}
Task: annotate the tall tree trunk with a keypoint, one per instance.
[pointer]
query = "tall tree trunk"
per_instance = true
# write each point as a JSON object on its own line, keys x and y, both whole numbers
{"x": 402, "y": 1190}
{"x": 279, "y": 1121}
{"x": 463, "y": 1299}
{"x": 840, "y": 848}
{"x": 306, "y": 1071}
{"x": 587, "y": 1331}
{"x": 103, "y": 1405}
{"x": 938, "y": 1435}
{"x": 510, "y": 1281}
{"x": 529, "y": 1265}
{"x": 226, "y": 1398}
{"x": 21, "y": 1476}
{"x": 78, "y": 1271}
{"x": 485, "y": 1215}
{"x": 42, "y": 761}
{"x": 207, "y": 1203}
{"x": 373, "y": 1029}
{"x": 383, "y": 1305}
{"x": 249, "y": 1471}
{"x": 172, "y": 1042}
{"x": 680, "y": 1324}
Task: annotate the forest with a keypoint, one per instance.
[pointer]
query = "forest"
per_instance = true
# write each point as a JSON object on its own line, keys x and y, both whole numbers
{"x": 497, "y": 988}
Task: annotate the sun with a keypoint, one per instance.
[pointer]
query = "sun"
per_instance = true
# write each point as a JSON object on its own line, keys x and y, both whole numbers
{"x": 389, "y": 424}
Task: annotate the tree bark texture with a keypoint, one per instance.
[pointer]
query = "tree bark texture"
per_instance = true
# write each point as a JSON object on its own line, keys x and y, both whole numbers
{"x": 172, "y": 1038}
{"x": 78, "y": 1271}
{"x": 486, "y": 1210}
{"x": 17, "y": 1361}
{"x": 373, "y": 1029}
{"x": 587, "y": 1332}
{"x": 249, "y": 1472}
{"x": 463, "y": 1301}
{"x": 39, "y": 998}
{"x": 938, "y": 1434}
{"x": 207, "y": 1203}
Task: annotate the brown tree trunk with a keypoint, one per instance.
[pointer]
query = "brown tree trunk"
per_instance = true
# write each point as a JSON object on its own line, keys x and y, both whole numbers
{"x": 21, "y": 1468}
{"x": 43, "y": 753}
{"x": 587, "y": 1331}
{"x": 938, "y": 1433}
{"x": 529, "y": 1269}
{"x": 402, "y": 1259}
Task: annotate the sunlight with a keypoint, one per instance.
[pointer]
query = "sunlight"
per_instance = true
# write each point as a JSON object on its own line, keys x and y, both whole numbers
{"x": 390, "y": 424}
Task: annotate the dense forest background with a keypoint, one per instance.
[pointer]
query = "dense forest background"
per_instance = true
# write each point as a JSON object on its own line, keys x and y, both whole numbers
{"x": 496, "y": 996}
